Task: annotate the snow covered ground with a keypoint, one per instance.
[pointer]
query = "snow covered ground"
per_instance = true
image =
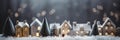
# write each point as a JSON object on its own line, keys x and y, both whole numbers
{"x": 63, "y": 38}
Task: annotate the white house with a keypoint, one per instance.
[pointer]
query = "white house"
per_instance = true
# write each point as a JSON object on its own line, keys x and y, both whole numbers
{"x": 82, "y": 29}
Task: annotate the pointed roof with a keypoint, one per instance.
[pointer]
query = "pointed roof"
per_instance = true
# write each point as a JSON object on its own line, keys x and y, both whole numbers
{"x": 108, "y": 19}
{"x": 25, "y": 23}
{"x": 68, "y": 22}
{"x": 36, "y": 21}
{"x": 8, "y": 29}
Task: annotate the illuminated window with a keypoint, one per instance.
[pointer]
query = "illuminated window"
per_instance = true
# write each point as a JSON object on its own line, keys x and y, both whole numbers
{"x": 99, "y": 29}
{"x": 66, "y": 25}
{"x": 106, "y": 27}
{"x": 37, "y": 34}
{"x": 26, "y": 29}
{"x": 108, "y": 23}
{"x": 68, "y": 30}
{"x": 100, "y": 33}
{"x": 106, "y": 33}
{"x": 18, "y": 35}
{"x": 63, "y": 30}
{"x": 112, "y": 33}
{"x": 38, "y": 28}
{"x": 77, "y": 32}
{"x": 82, "y": 32}
{"x": 111, "y": 27}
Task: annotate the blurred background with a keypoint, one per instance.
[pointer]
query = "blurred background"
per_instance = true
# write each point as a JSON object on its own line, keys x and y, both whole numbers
{"x": 80, "y": 11}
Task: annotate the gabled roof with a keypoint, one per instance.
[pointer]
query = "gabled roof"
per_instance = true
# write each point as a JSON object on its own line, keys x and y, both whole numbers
{"x": 55, "y": 25}
{"x": 67, "y": 23}
{"x": 84, "y": 25}
{"x": 98, "y": 24}
{"x": 21, "y": 24}
{"x": 26, "y": 24}
{"x": 108, "y": 19}
{"x": 36, "y": 21}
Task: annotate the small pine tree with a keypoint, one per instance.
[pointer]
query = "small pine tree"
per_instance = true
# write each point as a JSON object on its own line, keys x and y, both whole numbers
{"x": 95, "y": 29}
{"x": 45, "y": 31}
{"x": 8, "y": 29}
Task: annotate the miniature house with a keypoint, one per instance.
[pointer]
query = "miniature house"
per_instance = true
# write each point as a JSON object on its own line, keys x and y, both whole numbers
{"x": 82, "y": 29}
{"x": 109, "y": 28}
{"x": 35, "y": 27}
{"x": 55, "y": 29}
{"x": 22, "y": 29}
{"x": 18, "y": 28}
{"x": 65, "y": 28}
{"x": 25, "y": 29}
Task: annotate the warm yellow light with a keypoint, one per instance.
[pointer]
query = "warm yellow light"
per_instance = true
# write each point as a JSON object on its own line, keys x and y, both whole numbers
{"x": 26, "y": 29}
{"x": 37, "y": 34}
{"x": 18, "y": 35}
{"x": 63, "y": 30}
{"x": 99, "y": 29}
{"x": 77, "y": 32}
{"x": 81, "y": 31}
{"x": 108, "y": 23}
{"x": 65, "y": 25}
{"x": 100, "y": 34}
{"x": 38, "y": 28}
{"x": 106, "y": 33}
{"x": 111, "y": 27}
{"x": 106, "y": 27}
{"x": 112, "y": 33}
{"x": 68, "y": 30}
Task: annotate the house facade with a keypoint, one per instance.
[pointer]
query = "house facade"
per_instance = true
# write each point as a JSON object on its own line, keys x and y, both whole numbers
{"x": 35, "y": 27}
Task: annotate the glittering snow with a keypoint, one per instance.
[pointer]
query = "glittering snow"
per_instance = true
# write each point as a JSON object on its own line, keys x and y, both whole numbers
{"x": 63, "y": 38}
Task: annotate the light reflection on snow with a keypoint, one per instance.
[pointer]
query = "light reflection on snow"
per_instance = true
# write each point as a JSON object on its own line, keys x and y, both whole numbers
{"x": 63, "y": 38}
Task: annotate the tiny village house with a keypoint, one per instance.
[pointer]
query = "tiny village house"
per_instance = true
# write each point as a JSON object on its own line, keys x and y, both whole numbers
{"x": 22, "y": 29}
{"x": 65, "y": 28}
{"x": 35, "y": 27}
{"x": 108, "y": 28}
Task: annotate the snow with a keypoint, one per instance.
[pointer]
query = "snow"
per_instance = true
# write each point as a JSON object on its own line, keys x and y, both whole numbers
{"x": 63, "y": 38}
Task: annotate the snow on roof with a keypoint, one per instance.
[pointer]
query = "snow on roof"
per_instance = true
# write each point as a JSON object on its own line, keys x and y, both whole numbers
{"x": 36, "y": 21}
{"x": 84, "y": 25}
{"x": 57, "y": 25}
{"x": 98, "y": 24}
{"x": 21, "y": 24}
{"x": 108, "y": 19}
{"x": 26, "y": 24}
{"x": 68, "y": 22}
